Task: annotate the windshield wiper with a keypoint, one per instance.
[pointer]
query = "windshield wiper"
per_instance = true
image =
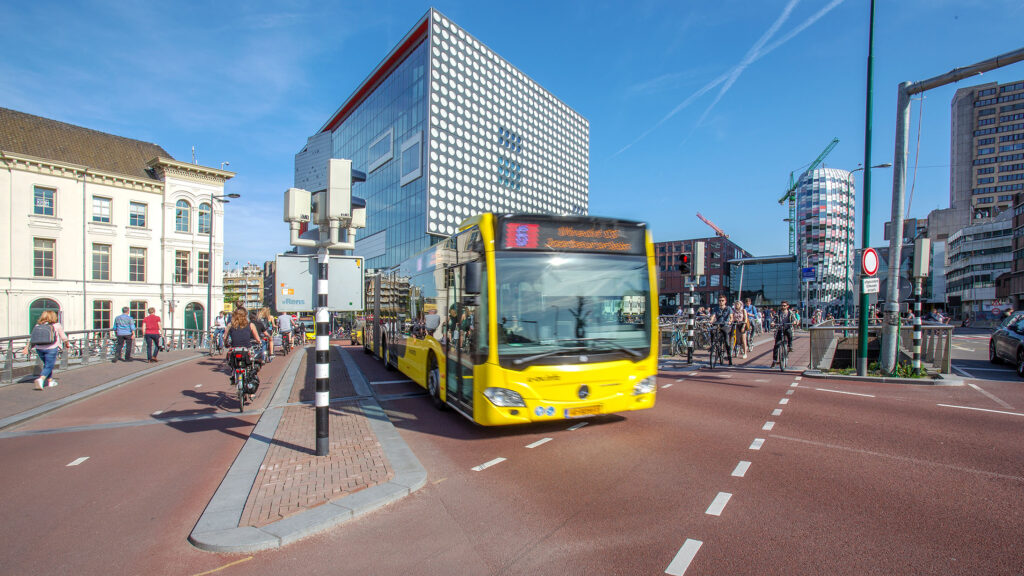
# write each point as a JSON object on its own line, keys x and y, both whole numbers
{"x": 519, "y": 361}
{"x": 604, "y": 340}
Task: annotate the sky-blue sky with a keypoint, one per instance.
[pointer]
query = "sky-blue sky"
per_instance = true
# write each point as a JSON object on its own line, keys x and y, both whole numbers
{"x": 693, "y": 105}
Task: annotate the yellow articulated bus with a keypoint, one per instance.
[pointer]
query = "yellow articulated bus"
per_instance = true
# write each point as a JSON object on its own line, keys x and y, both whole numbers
{"x": 524, "y": 318}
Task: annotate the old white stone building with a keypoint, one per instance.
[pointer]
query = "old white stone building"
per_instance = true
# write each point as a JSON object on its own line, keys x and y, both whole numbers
{"x": 95, "y": 222}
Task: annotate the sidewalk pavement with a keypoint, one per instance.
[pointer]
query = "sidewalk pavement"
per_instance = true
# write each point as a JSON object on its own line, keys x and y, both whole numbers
{"x": 20, "y": 401}
{"x": 278, "y": 491}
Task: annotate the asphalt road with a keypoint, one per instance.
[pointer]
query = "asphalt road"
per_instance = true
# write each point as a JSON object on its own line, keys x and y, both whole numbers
{"x": 735, "y": 472}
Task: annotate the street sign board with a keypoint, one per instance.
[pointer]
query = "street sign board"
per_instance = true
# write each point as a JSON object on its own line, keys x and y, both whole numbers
{"x": 296, "y": 278}
{"x": 807, "y": 274}
{"x": 869, "y": 262}
{"x": 870, "y": 286}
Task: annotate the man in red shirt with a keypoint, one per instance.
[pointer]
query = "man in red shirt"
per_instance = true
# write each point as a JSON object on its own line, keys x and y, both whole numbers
{"x": 152, "y": 334}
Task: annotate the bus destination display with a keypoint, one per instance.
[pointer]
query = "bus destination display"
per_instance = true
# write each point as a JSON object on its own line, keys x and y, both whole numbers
{"x": 572, "y": 236}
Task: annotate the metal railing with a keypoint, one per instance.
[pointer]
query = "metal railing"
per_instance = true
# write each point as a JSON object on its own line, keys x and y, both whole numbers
{"x": 827, "y": 337}
{"x": 87, "y": 347}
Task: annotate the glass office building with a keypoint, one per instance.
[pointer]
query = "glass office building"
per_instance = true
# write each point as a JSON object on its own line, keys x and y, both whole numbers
{"x": 444, "y": 128}
{"x": 766, "y": 280}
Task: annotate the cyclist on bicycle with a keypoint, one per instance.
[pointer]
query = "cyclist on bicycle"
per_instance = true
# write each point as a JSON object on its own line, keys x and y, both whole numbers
{"x": 721, "y": 318}
{"x": 241, "y": 333}
{"x": 784, "y": 330}
{"x": 285, "y": 324}
{"x": 220, "y": 323}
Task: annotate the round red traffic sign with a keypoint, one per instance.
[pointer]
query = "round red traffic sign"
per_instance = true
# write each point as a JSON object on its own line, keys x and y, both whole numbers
{"x": 869, "y": 262}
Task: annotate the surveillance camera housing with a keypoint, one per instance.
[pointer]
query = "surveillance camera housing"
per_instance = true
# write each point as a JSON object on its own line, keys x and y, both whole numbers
{"x": 297, "y": 206}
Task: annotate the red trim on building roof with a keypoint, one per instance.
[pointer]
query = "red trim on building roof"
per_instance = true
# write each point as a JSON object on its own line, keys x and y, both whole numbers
{"x": 413, "y": 40}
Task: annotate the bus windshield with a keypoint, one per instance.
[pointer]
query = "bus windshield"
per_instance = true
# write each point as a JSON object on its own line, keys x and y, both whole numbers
{"x": 557, "y": 307}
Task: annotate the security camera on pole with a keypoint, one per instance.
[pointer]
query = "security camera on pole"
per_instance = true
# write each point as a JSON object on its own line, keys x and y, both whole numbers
{"x": 331, "y": 210}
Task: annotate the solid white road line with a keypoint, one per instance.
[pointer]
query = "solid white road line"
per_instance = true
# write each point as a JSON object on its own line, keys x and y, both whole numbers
{"x": 578, "y": 426}
{"x": 847, "y": 393}
{"x": 990, "y": 396}
{"x": 718, "y": 504}
{"x": 538, "y": 442}
{"x": 784, "y": 401}
{"x": 683, "y": 558}
{"x": 757, "y": 443}
{"x": 486, "y": 465}
{"x": 964, "y": 372}
{"x": 981, "y": 409}
{"x": 78, "y": 461}
{"x": 777, "y": 412}
{"x": 741, "y": 469}
{"x": 768, "y": 425}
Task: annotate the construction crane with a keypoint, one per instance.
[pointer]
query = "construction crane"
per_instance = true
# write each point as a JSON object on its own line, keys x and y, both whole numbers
{"x": 712, "y": 224}
{"x": 790, "y": 194}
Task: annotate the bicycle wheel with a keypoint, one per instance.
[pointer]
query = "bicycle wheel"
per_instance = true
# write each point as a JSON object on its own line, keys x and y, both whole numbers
{"x": 783, "y": 357}
{"x": 240, "y": 390}
{"x": 712, "y": 353}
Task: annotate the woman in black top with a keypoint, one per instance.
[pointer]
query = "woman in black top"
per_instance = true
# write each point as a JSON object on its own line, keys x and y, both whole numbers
{"x": 241, "y": 333}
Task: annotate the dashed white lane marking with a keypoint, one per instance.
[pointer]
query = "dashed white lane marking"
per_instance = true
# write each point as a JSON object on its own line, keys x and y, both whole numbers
{"x": 578, "y": 426}
{"x": 798, "y": 378}
{"x": 78, "y": 461}
{"x": 784, "y": 401}
{"x": 718, "y": 504}
{"x": 757, "y": 443}
{"x": 538, "y": 442}
{"x": 741, "y": 469}
{"x": 847, "y": 393}
{"x": 989, "y": 395}
{"x": 777, "y": 412}
{"x": 794, "y": 385}
{"x": 789, "y": 392}
{"x": 669, "y": 385}
{"x": 683, "y": 558}
{"x": 158, "y": 412}
{"x": 768, "y": 425}
{"x": 198, "y": 386}
{"x": 981, "y": 410}
{"x": 679, "y": 379}
{"x": 486, "y": 465}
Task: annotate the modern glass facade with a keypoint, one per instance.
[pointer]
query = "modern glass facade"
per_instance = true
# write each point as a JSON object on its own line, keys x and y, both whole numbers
{"x": 825, "y": 228}
{"x": 766, "y": 281}
{"x": 444, "y": 129}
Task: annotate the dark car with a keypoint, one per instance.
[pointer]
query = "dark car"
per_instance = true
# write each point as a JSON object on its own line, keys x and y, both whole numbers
{"x": 1007, "y": 342}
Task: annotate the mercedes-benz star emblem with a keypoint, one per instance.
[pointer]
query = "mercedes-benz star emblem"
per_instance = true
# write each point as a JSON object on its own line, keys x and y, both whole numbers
{"x": 584, "y": 392}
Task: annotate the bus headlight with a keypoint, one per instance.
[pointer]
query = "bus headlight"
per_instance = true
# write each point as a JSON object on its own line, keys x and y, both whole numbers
{"x": 645, "y": 386}
{"x": 504, "y": 397}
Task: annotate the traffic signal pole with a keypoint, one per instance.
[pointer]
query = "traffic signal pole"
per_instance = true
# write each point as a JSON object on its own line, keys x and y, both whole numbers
{"x": 865, "y": 235}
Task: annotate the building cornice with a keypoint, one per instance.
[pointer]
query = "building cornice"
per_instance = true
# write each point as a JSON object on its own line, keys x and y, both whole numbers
{"x": 166, "y": 167}
{"x": 35, "y": 165}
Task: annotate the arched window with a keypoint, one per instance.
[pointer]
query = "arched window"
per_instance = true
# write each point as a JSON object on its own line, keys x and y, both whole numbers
{"x": 182, "y": 214}
{"x": 194, "y": 319}
{"x": 37, "y": 307}
{"x": 204, "y": 218}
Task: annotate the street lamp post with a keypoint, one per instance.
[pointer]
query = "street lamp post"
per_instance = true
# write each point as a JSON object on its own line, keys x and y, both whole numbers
{"x": 848, "y": 286}
{"x": 209, "y": 264}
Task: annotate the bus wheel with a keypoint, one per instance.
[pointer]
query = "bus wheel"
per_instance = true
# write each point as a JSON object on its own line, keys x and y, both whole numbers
{"x": 434, "y": 385}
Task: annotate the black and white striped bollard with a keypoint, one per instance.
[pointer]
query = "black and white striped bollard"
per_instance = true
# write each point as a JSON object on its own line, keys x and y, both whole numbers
{"x": 689, "y": 328}
{"x": 917, "y": 328}
{"x": 323, "y": 357}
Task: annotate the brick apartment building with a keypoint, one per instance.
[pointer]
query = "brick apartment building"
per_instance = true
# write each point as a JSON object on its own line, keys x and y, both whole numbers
{"x": 715, "y": 276}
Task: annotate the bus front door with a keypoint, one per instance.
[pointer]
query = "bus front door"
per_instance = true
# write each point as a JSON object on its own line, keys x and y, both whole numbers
{"x": 459, "y": 326}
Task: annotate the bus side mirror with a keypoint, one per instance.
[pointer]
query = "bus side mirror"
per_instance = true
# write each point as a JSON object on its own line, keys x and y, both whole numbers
{"x": 471, "y": 277}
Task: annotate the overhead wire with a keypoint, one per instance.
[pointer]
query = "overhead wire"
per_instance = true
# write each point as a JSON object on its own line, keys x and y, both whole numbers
{"x": 917, "y": 153}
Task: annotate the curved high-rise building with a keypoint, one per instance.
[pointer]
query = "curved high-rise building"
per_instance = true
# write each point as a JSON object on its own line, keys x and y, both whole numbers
{"x": 825, "y": 236}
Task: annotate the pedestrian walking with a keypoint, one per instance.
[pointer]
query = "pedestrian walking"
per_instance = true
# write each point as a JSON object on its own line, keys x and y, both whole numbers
{"x": 46, "y": 338}
{"x": 151, "y": 333}
{"x": 124, "y": 329}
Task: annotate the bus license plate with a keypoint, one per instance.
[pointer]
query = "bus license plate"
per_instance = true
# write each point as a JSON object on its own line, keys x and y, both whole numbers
{"x": 583, "y": 411}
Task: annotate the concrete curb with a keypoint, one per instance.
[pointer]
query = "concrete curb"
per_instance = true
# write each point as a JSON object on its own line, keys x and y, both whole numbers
{"x": 942, "y": 380}
{"x": 217, "y": 529}
{"x": 60, "y": 403}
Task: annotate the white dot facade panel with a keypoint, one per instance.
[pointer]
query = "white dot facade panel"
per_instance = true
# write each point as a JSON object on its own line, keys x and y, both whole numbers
{"x": 497, "y": 141}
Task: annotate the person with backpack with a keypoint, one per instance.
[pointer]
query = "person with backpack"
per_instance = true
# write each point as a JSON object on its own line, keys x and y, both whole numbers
{"x": 46, "y": 338}
{"x": 124, "y": 329}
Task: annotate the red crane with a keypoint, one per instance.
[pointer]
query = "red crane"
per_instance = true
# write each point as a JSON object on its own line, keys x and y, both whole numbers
{"x": 712, "y": 224}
